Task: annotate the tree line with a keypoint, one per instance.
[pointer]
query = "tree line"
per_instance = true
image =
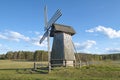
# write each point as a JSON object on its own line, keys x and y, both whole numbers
{"x": 94, "y": 57}
{"x": 40, "y": 55}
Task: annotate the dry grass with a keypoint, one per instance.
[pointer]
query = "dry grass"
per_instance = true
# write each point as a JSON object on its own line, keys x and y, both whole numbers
{"x": 21, "y": 70}
{"x": 5, "y": 64}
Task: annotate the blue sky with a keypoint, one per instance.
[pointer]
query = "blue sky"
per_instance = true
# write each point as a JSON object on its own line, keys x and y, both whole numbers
{"x": 96, "y": 23}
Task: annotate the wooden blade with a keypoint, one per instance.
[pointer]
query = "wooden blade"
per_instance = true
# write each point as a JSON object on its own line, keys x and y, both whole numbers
{"x": 54, "y": 18}
{"x": 44, "y": 36}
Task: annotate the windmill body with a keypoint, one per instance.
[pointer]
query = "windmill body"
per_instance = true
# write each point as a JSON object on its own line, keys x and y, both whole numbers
{"x": 62, "y": 53}
{"x": 62, "y": 50}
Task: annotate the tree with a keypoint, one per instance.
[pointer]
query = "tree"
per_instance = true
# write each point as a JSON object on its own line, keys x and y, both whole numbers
{"x": 9, "y": 55}
{"x": 2, "y": 56}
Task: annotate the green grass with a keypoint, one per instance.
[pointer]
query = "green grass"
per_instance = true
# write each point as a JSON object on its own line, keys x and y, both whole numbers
{"x": 22, "y": 70}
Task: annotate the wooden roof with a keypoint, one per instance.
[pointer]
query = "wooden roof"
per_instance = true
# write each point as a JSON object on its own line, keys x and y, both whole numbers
{"x": 61, "y": 28}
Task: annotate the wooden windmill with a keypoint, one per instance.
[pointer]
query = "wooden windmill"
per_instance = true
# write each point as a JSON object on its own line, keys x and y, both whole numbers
{"x": 62, "y": 53}
{"x": 47, "y": 28}
{"x": 62, "y": 50}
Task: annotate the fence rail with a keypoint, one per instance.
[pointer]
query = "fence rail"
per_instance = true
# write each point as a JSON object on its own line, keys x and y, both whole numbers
{"x": 77, "y": 64}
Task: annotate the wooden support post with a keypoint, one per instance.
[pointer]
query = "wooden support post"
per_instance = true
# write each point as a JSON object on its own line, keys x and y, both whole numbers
{"x": 49, "y": 54}
{"x": 34, "y": 66}
{"x": 80, "y": 64}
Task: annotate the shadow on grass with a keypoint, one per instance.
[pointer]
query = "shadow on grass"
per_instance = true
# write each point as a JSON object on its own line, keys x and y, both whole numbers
{"x": 42, "y": 70}
{"x": 15, "y": 69}
{"x": 22, "y": 60}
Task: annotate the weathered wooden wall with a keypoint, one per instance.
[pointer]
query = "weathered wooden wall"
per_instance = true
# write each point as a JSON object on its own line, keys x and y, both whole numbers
{"x": 62, "y": 50}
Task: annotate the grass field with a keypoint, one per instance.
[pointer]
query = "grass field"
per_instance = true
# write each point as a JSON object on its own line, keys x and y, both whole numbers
{"x": 22, "y": 70}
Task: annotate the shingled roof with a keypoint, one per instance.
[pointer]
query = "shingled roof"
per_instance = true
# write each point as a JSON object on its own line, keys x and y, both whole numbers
{"x": 61, "y": 28}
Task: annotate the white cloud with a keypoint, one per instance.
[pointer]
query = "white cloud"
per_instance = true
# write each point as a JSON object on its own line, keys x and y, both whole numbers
{"x": 12, "y": 35}
{"x": 112, "y": 50}
{"x": 34, "y": 32}
{"x": 16, "y": 36}
{"x": 85, "y": 45}
{"x": 35, "y": 41}
{"x": 37, "y": 33}
{"x": 2, "y": 36}
{"x": 90, "y": 30}
{"x": 111, "y": 33}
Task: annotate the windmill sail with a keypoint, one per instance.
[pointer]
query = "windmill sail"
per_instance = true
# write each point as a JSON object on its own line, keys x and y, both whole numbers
{"x": 54, "y": 18}
{"x": 51, "y": 21}
{"x": 44, "y": 36}
{"x": 45, "y": 16}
